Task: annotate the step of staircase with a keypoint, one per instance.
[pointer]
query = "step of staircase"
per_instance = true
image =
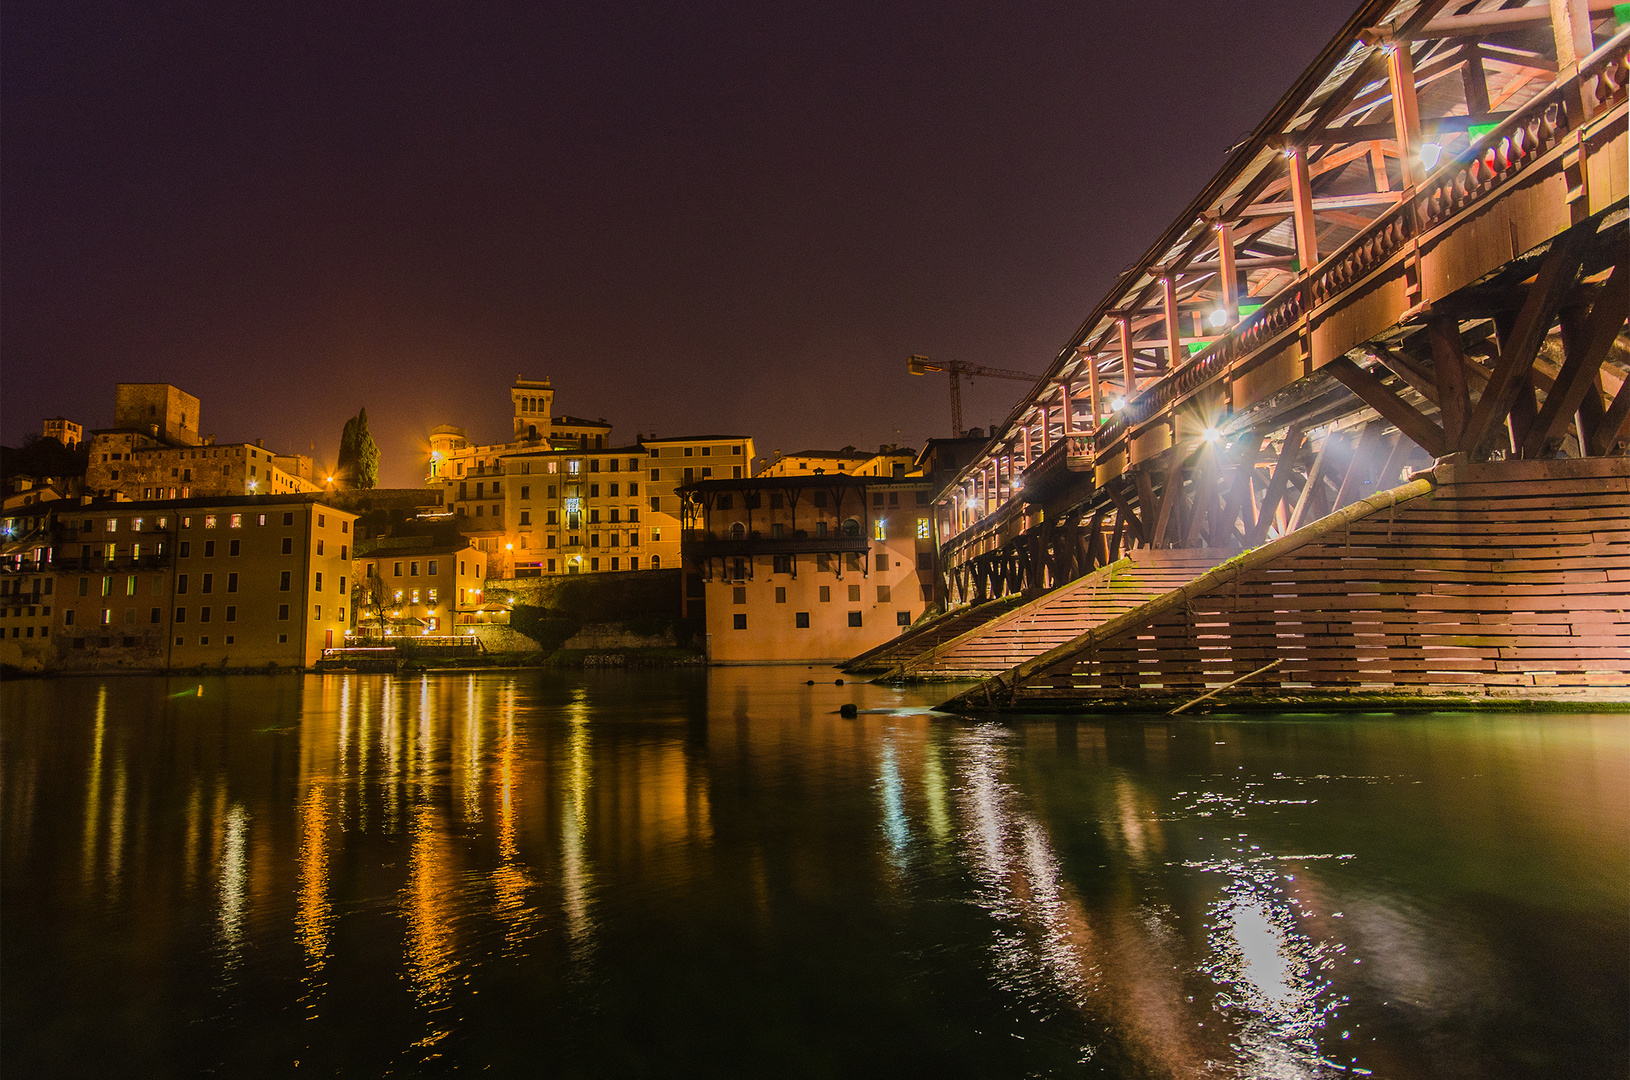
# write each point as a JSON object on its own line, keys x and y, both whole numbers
{"x": 995, "y": 644}
{"x": 923, "y": 638}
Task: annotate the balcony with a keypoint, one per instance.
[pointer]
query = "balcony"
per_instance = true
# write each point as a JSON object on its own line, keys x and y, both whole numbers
{"x": 704, "y": 545}
{"x": 1065, "y": 460}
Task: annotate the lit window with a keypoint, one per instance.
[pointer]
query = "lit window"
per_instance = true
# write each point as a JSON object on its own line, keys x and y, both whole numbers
{"x": 209, "y": 521}
{"x": 237, "y": 521}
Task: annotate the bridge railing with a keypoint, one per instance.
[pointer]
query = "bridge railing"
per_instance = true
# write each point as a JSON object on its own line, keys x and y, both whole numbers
{"x": 1491, "y": 163}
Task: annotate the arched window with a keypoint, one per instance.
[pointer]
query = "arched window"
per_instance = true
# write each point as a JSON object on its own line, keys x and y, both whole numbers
{"x": 532, "y": 431}
{"x": 851, "y": 527}
{"x": 656, "y": 562}
{"x": 738, "y": 531}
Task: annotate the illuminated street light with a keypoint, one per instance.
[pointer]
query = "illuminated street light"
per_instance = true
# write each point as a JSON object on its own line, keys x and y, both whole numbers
{"x": 1117, "y": 405}
{"x": 1212, "y": 435}
{"x": 1430, "y": 152}
{"x": 1219, "y": 317}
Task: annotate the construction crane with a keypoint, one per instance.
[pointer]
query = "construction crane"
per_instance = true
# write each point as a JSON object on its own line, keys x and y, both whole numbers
{"x": 922, "y": 365}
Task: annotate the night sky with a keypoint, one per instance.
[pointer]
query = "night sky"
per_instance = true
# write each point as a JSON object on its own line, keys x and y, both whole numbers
{"x": 694, "y": 218}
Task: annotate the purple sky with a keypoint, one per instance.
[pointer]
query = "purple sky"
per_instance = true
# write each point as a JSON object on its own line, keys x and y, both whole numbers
{"x": 694, "y": 218}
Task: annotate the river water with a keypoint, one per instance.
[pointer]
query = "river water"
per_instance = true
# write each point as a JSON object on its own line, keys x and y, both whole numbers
{"x": 712, "y": 873}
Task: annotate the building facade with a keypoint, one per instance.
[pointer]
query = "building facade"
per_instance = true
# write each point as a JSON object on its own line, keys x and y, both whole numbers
{"x": 188, "y": 583}
{"x": 415, "y": 586}
{"x": 809, "y": 569}
{"x": 64, "y": 430}
{"x": 561, "y": 498}
{"x": 154, "y": 452}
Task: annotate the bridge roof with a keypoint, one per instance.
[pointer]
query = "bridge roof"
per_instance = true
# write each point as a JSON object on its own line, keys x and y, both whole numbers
{"x": 1471, "y": 68}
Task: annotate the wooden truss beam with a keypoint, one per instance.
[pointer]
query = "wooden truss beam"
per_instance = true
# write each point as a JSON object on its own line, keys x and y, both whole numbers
{"x": 1555, "y": 279}
{"x": 1393, "y": 408}
{"x": 1584, "y": 351}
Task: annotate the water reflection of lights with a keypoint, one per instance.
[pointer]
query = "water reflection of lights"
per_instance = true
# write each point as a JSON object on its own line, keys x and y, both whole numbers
{"x": 1270, "y": 971}
{"x": 93, "y": 790}
{"x": 431, "y": 948}
{"x": 576, "y": 876}
{"x": 234, "y": 883}
{"x": 894, "y": 814}
{"x": 939, "y": 820}
{"x": 314, "y": 914}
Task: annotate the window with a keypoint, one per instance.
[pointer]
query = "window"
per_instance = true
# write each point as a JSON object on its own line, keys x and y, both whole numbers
{"x": 180, "y": 584}
{"x": 781, "y": 594}
{"x": 738, "y": 594}
{"x": 854, "y": 594}
{"x": 180, "y": 614}
{"x": 345, "y": 526}
{"x": 318, "y": 587}
{"x": 344, "y": 554}
{"x": 209, "y": 549}
{"x": 231, "y": 614}
{"x": 526, "y": 491}
{"x": 725, "y": 502}
{"x": 209, "y": 519}
{"x": 232, "y": 547}
{"x": 922, "y": 528}
{"x": 413, "y": 596}
{"x": 288, "y": 545}
{"x": 738, "y": 621}
{"x": 232, "y": 583}
{"x": 882, "y": 594}
{"x": 84, "y": 586}
{"x": 319, "y": 547}
{"x": 396, "y": 570}
{"x": 322, "y": 519}
{"x": 316, "y": 611}
{"x": 656, "y": 504}
{"x": 155, "y": 616}
{"x": 634, "y": 563}
{"x": 203, "y": 614}
{"x": 826, "y": 594}
{"x": 282, "y": 613}
{"x": 236, "y": 522}
{"x": 209, "y": 583}
{"x": 413, "y": 568}
{"x": 283, "y": 582}
{"x": 113, "y": 525}
{"x": 68, "y": 617}
{"x": 288, "y": 518}
{"x": 881, "y": 561}
{"x": 594, "y": 564}
{"x": 430, "y": 595}
{"x": 656, "y": 562}
{"x": 550, "y": 541}
{"x": 854, "y": 618}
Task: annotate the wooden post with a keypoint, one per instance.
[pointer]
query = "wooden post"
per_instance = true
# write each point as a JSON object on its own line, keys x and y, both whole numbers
{"x": 1168, "y": 290}
{"x": 1301, "y": 197}
{"x": 1228, "y": 271}
{"x": 1406, "y": 110}
{"x": 1069, "y": 410}
{"x": 1127, "y": 369}
{"x": 1092, "y": 390}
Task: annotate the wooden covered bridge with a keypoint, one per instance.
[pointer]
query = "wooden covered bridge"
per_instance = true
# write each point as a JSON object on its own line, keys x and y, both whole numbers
{"x": 1357, "y": 417}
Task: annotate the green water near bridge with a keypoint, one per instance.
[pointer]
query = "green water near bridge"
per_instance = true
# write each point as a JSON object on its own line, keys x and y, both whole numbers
{"x": 713, "y": 873}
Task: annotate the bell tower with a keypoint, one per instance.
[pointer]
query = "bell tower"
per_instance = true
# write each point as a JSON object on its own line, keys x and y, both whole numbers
{"x": 534, "y": 404}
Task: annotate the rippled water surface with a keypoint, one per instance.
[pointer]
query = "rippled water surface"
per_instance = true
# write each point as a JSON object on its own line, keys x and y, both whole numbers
{"x": 712, "y": 873}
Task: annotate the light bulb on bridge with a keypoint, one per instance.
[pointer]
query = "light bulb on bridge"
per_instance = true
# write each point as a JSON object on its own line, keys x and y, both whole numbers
{"x": 1219, "y": 317}
{"x": 1430, "y": 152}
{"x": 1117, "y": 405}
{"x": 1212, "y": 435}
